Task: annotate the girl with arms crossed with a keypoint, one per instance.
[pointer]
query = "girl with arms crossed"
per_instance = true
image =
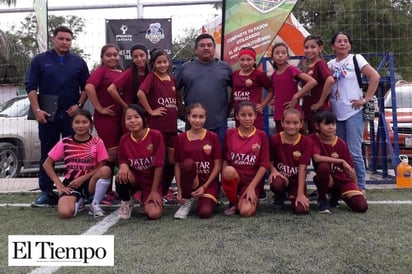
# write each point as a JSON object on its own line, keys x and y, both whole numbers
{"x": 246, "y": 160}
{"x": 290, "y": 154}
{"x": 198, "y": 160}
{"x": 124, "y": 88}
{"x": 85, "y": 170}
{"x": 141, "y": 159}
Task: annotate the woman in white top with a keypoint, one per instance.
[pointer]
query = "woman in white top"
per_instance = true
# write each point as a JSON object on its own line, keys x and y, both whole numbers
{"x": 347, "y": 99}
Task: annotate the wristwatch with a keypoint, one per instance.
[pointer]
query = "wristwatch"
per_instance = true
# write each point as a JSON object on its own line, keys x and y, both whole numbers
{"x": 80, "y": 105}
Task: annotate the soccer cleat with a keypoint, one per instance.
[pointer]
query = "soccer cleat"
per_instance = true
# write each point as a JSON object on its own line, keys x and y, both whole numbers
{"x": 125, "y": 210}
{"x": 46, "y": 199}
{"x": 169, "y": 199}
{"x": 230, "y": 211}
{"x": 279, "y": 201}
{"x": 95, "y": 210}
{"x": 78, "y": 206}
{"x": 324, "y": 207}
{"x": 184, "y": 210}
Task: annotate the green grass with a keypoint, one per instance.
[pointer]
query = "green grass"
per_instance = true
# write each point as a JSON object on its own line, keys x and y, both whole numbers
{"x": 270, "y": 242}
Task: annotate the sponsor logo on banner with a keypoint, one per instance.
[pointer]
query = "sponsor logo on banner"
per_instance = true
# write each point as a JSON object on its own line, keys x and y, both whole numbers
{"x": 124, "y": 37}
{"x": 265, "y": 6}
{"x": 155, "y": 33}
{"x": 61, "y": 250}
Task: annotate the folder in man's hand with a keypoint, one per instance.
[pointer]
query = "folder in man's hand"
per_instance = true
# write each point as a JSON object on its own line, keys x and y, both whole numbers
{"x": 47, "y": 103}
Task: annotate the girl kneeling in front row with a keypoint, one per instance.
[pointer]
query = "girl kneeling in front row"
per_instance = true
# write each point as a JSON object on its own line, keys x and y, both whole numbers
{"x": 141, "y": 159}
{"x": 198, "y": 160}
{"x": 246, "y": 160}
{"x": 85, "y": 168}
{"x": 290, "y": 154}
{"x": 334, "y": 167}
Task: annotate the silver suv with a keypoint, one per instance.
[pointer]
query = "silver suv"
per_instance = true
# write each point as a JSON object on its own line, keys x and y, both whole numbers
{"x": 19, "y": 140}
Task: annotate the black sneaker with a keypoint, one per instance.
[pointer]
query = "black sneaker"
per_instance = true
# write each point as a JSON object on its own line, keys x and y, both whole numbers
{"x": 333, "y": 202}
{"x": 262, "y": 196}
{"x": 279, "y": 201}
{"x": 324, "y": 207}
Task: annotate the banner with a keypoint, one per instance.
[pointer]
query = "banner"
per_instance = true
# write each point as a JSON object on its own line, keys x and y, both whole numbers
{"x": 40, "y": 10}
{"x": 252, "y": 23}
{"x": 153, "y": 33}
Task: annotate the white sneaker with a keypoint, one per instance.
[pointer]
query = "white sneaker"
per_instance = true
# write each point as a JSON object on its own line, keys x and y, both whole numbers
{"x": 184, "y": 210}
{"x": 95, "y": 210}
{"x": 125, "y": 210}
{"x": 79, "y": 206}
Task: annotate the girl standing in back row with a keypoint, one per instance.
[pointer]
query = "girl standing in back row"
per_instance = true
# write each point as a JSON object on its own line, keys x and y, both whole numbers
{"x": 318, "y": 98}
{"x": 285, "y": 80}
{"x": 157, "y": 94}
{"x": 248, "y": 84}
{"x": 124, "y": 88}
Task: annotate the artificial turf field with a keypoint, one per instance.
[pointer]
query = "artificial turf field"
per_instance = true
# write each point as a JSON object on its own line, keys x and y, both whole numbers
{"x": 379, "y": 241}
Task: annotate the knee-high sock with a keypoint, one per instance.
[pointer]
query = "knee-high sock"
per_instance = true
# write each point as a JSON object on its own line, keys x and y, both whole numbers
{"x": 321, "y": 179}
{"x": 187, "y": 176}
{"x": 101, "y": 188}
{"x": 230, "y": 190}
{"x": 123, "y": 190}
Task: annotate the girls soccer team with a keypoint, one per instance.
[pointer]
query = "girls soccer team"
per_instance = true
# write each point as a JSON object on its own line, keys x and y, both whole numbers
{"x": 150, "y": 145}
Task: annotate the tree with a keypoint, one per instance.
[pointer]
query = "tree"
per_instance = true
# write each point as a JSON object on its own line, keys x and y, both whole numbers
{"x": 375, "y": 26}
{"x": 23, "y": 45}
{"x": 184, "y": 46}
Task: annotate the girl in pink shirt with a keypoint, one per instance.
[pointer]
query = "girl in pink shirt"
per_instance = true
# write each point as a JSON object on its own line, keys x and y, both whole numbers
{"x": 285, "y": 80}
{"x": 85, "y": 170}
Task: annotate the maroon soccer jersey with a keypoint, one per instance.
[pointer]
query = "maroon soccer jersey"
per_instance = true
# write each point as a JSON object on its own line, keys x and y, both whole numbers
{"x": 101, "y": 78}
{"x": 142, "y": 156}
{"x": 319, "y": 72}
{"x": 286, "y": 158}
{"x": 203, "y": 152}
{"x": 249, "y": 88}
{"x": 247, "y": 153}
{"x": 161, "y": 93}
{"x": 338, "y": 150}
{"x": 124, "y": 85}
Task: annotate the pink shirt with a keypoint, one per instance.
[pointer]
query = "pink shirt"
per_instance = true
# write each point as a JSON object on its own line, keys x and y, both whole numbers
{"x": 285, "y": 85}
{"x": 79, "y": 157}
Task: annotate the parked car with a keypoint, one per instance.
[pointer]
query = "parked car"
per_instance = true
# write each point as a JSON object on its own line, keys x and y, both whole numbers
{"x": 19, "y": 140}
{"x": 403, "y": 91}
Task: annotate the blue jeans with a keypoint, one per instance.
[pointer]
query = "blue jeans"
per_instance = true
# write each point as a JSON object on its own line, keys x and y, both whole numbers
{"x": 221, "y": 132}
{"x": 351, "y": 131}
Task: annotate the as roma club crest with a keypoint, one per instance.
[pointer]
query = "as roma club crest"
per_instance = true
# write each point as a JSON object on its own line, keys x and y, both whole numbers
{"x": 265, "y": 6}
{"x": 207, "y": 149}
{"x": 149, "y": 147}
{"x": 296, "y": 155}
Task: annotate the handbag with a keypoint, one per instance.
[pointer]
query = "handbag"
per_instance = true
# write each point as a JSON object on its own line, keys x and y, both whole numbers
{"x": 47, "y": 103}
{"x": 370, "y": 107}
